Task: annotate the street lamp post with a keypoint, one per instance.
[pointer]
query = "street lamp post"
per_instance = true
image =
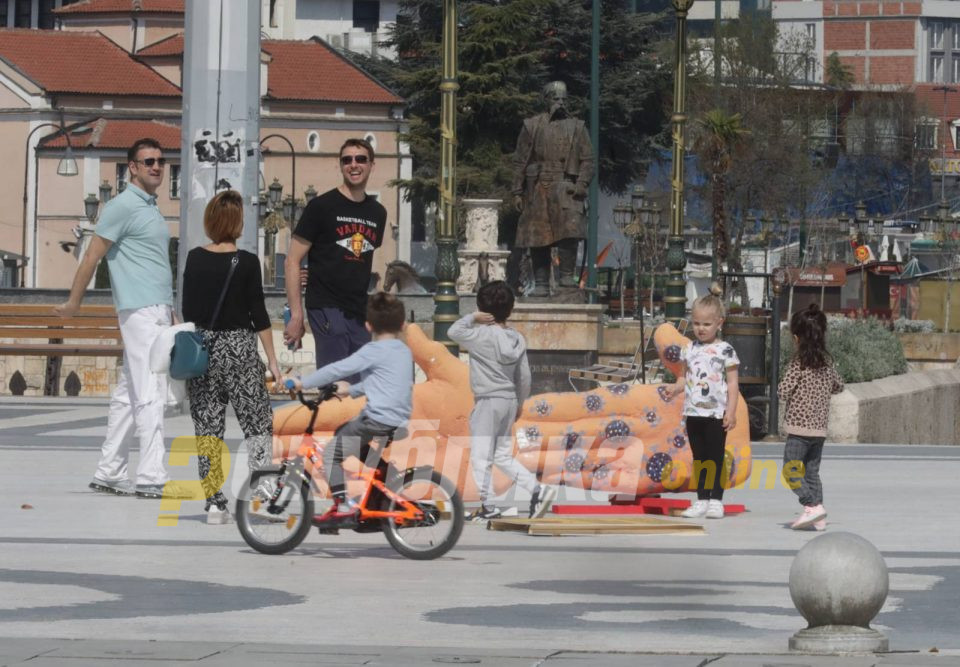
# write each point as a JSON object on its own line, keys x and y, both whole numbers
{"x": 623, "y": 219}
{"x": 288, "y": 208}
{"x": 675, "y": 300}
{"x": 446, "y": 302}
{"x": 646, "y": 239}
{"x": 66, "y": 167}
{"x": 943, "y": 139}
{"x": 293, "y": 158}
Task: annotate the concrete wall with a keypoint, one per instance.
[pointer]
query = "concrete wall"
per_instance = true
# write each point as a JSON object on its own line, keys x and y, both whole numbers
{"x": 931, "y": 347}
{"x": 915, "y": 408}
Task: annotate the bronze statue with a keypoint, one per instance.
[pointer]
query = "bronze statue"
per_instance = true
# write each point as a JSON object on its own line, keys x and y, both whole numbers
{"x": 553, "y": 167}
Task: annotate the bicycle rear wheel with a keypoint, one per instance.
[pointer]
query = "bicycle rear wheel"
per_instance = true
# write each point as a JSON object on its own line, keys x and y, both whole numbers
{"x": 279, "y": 527}
{"x": 439, "y": 529}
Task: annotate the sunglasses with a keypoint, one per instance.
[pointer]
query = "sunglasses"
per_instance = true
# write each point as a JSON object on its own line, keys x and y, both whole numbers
{"x": 359, "y": 159}
{"x": 150, "y": 161}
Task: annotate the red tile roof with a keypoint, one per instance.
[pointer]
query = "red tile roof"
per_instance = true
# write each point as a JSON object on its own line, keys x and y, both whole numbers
{"x": 168, "y": 46}
{"x": 80, "y": 62}
{"x": 103, "y": 133}
{"x": 312, "y": 71}
{"x": 303, "y": 70}
{"x": 123, "y": 6}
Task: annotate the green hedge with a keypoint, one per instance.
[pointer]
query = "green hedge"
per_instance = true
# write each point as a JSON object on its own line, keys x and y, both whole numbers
{"x": 863, "y": 350}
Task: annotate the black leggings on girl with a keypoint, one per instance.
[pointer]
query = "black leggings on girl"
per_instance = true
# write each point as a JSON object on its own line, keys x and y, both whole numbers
{"x": 707, "y": 440}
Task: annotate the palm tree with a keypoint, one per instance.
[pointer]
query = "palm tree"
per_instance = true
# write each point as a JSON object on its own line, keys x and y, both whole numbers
{"x": 718, "y": 135}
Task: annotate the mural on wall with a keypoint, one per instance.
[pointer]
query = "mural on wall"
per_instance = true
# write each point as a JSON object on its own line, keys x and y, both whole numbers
{"x": 626, "y": 438}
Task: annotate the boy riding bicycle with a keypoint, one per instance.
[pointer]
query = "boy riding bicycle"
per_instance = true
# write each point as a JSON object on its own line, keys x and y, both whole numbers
{"x": 385, "y": 366}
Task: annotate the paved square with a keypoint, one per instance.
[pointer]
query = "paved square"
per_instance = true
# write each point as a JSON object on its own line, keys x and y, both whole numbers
{"x": 86, "y": 566}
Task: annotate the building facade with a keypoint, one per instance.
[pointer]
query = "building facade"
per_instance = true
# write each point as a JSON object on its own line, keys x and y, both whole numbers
{"x": 111, "y": 74}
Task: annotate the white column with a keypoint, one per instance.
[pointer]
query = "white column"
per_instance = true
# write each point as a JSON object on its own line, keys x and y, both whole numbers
{"x": 220, "y": 135}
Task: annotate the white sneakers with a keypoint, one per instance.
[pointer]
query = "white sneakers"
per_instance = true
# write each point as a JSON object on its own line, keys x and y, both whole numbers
{"x": 217, "y": 516}
{"x": 812, "y": 516}
{"x": 711, "y": 509}
{"x": 715, "y": 509}
{"x": 696, "y": 510}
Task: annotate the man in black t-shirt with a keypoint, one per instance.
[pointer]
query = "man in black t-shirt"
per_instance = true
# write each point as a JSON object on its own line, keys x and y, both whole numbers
{"x": 338, "y": 232}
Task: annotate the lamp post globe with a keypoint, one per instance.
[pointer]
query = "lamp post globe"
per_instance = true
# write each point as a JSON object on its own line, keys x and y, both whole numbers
{"x": 622, "y": 215}
{"x": 106, "y": 192}
{"x": 91, "y": 204}
{"x": 275, "y": 193}
{"x": 68, "y": 164}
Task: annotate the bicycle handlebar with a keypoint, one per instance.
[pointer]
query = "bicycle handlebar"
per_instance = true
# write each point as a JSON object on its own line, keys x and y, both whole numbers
{"x": 326, "y": 393}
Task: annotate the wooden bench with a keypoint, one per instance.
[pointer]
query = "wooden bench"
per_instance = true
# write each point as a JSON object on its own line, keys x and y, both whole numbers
{"x": 34, "y": 330}
{"x": 629, "y": 370}
{"x": 28, "y": 324}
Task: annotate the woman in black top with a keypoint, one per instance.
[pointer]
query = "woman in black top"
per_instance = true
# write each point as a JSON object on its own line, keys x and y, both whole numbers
{"x": 235, "y": 373}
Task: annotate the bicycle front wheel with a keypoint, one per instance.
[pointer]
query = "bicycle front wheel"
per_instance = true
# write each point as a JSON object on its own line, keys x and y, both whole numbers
{"x": 278, "y": 527}
{"x": 439, "y": 529}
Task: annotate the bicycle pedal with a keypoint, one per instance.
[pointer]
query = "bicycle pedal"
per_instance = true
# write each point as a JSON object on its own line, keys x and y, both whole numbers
{"x": 328, "y": 531}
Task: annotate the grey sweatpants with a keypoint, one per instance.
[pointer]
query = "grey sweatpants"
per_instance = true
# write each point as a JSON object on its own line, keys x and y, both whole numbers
{"x": 353, "y": 439}
{"x": 491, "y": 444}
{"x": 808, "y": 451}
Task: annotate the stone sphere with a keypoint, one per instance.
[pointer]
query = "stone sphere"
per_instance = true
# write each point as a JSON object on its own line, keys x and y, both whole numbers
{"x": 839, "y": 579}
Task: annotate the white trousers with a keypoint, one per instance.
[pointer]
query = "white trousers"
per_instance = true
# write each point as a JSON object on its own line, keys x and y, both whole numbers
{"x": 491, "y": 445}
{"x": 136, "y": 406}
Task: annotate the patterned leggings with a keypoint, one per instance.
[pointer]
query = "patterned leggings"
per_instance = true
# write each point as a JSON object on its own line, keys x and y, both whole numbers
{"x": 234, "y": 376}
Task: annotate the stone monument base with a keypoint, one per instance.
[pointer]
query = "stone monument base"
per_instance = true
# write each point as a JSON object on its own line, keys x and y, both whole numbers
{"x": 559, "y": 337}
{"x": 839, "y": 639}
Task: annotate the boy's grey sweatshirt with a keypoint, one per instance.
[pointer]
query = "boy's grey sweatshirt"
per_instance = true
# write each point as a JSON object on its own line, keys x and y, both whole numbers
{"x": 498, "y": 359}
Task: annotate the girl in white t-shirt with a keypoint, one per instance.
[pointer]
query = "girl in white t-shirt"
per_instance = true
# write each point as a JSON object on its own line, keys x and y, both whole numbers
{"x": 709, "y": 381}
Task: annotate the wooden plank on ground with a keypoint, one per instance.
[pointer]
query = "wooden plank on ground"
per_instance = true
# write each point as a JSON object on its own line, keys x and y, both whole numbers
{"x": 660, "y": 506}
{"x": 594, "y": 526}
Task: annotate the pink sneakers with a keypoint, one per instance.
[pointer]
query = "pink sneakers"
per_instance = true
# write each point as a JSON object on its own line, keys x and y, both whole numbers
{"x": 812, "y": 515}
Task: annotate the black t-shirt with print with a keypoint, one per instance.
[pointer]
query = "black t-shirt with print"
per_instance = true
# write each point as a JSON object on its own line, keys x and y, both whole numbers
{"x": 343, "y": 235}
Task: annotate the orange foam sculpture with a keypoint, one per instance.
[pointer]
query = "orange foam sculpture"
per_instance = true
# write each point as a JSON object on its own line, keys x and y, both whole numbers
{"x": 626, "y": 439}
{"x": 623, "y": 438}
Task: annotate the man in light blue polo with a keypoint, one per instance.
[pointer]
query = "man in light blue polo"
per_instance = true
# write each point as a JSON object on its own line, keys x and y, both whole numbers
{"x": 132, "y": 234}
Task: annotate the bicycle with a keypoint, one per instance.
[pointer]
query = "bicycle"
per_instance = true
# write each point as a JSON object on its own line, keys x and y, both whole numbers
{"x": 419, "y": 511}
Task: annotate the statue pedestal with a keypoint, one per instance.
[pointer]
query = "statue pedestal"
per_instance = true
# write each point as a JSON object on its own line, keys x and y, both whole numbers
{"x": 480, "y": 254}
{"x": 472, "y": 262}
{"x": 559, "y": 337}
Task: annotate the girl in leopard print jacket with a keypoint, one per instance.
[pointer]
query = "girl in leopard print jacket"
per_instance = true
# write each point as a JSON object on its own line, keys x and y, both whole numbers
{"x": 806, "y": 386}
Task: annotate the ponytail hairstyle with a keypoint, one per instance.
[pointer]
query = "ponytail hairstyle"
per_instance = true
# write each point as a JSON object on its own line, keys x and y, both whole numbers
{"x": 711, "y": 300}
{"x": 810, "y": 328}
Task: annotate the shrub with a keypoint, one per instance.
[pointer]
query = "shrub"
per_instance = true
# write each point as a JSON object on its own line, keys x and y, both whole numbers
{"x": 903, "y": 325}
{"x": 863, "y": 350}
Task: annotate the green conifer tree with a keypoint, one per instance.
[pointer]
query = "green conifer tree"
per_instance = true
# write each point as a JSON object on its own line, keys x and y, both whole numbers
{"x": 507, "y": 51}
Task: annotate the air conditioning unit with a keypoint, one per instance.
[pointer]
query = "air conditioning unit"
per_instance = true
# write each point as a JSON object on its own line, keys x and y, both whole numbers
{"x": 358, "y": 42}
{"x": 336, "y": 40}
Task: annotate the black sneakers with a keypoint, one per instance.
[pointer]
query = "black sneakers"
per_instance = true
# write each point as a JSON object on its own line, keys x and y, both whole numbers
{"x": 484, "y": 513}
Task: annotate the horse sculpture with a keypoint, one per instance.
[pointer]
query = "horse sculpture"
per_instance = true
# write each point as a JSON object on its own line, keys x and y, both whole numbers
{"x": 404, "y": 277}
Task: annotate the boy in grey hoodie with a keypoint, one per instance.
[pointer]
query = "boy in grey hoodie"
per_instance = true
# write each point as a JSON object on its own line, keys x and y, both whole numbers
{"x": 500, "y": 380}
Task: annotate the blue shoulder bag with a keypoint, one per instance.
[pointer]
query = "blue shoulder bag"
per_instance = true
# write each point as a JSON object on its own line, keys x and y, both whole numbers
{"x": 189, "y": 357}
